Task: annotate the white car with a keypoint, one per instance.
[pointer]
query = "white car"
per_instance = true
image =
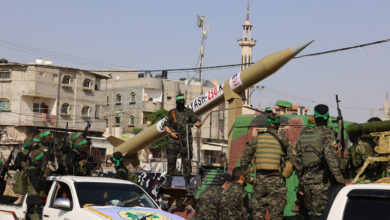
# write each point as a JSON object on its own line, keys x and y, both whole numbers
{"x": 74, "y": 197}
{"x": 362, "y": 201}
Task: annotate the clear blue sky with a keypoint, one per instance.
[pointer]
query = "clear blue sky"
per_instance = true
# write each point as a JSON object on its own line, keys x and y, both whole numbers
{"x": 163, "y": 34}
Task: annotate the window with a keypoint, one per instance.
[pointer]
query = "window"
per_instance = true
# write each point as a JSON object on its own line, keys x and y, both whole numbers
{"x": 108, "y": 100}
{"x": 87, "y": 83}
{"x": 118, "y": 99}
{"x": 129, "y": 195}
{"x": 65, "y": 108}
{"x": 117, "y": 120}
{"x": 85, "y": 111}
{"x": 131, "y": 121}
{"x": 367, "y": 204}
{"x": 169, "y": 98}
{"x": 36, "y": 107}
{"x": 132, "y": 97}
{"x": 4, "y": 104}
{"x": 43, "y": 108}
{"x": 5, "y": 75}
{"x": 66, "y": 80}
{"x": 62, "y": 192}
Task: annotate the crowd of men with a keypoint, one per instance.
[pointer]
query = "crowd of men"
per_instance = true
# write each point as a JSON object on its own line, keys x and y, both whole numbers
{"x": 269, "y": 155}
{"x": 272, "y": 159}
{"x": 43, "y": 155}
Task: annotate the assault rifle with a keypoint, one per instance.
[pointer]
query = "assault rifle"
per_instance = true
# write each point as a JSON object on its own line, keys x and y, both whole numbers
{"x": 340, "y": 133}
{"x": 65, "y": 141}
{"x": 47, "y": 156}
{"x": 85, "y": 132}
{"x": 178, "y": 129}
{"x": 4, "y": 170}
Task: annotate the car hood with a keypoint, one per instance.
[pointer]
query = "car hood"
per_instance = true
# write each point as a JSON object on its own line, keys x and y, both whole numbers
{"x": 133, "y": 213}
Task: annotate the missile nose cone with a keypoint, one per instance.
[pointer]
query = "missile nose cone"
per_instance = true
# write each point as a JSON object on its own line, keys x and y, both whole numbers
{"x": 297, "y": 49}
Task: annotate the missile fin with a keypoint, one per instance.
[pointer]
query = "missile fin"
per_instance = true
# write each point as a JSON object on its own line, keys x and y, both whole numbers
{"x": 115, "y": 141}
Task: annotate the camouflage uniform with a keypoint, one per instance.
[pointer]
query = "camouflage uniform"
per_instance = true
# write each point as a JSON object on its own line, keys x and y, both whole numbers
{"x": 184, "y": 117}
{"x": 234, "y": 203}
{"x": 316, "y": 179}
{"x": 269, "y": 190}
{"x": 358, "y": 154}
{"x": 209, "y": 204}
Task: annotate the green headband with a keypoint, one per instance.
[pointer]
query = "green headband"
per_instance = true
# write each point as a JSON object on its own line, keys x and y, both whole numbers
{"x": 27, "y": 144}
{"x": 318, "y": 115}
{"x": 80, "y": 143}
{"x": 75, "y": 136}
{"x": 276, "y": 121}
{"x": 1, "y": 161}
{"x": 44, "y": 134}
{"x": 179, "y": 98}
{"x": 37, "y": 157}
{"x": 268, "y": 110}
{"x": 37, "y": 140}
{"x": 117, "y": 161}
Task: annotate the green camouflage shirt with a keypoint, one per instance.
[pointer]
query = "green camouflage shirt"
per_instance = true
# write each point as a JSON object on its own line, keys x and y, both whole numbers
{"x": 330, "y": 159}
{"x": 209, "y": 204}
{"x": 187, "y": 116}
{"x": 234, "y": 203}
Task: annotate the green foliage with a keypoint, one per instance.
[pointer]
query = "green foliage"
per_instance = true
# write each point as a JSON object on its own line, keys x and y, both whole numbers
{"x": 157, "y": 115}
{"x": 154, "y": 118}
{"x": 136, "y": 131}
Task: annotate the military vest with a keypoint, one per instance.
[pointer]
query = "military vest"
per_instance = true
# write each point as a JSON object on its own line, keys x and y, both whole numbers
{"x": 311, "y": 147}
{"x": 30, "y": 189}
{"x": 268, "y": 152}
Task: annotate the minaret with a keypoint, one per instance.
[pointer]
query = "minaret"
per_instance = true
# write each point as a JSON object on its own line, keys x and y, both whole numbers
{"x": 246, "y": 43}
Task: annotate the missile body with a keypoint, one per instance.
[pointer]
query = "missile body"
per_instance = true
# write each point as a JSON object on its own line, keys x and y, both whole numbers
{"x": 358, "y": 130}
{"x": 212, "y": 98}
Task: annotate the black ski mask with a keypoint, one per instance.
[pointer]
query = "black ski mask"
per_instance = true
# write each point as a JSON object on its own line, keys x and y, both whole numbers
{"x": 180, "y": 105}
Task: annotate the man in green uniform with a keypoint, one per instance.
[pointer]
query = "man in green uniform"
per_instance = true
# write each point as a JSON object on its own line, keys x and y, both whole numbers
{"x": 235, "y": 201}
{"x": 36, "y": 185}
{"x": 209, "y": 204}
{"x": 267, "y": 153}
{"x": 176, "y": 126}
{"x": 121, "y": 171}
{"x": 78, "y": 161}
{"x": 318, "y": 163}
{"x": 360, "y": 151}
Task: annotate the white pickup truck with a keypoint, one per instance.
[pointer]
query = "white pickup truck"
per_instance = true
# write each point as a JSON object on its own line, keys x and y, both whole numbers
{"x": 362, "y": 201}
{"x": 74, "y": 197}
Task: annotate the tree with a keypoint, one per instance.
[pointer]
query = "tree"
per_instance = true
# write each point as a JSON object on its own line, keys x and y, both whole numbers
{"x": 154, "y": 118}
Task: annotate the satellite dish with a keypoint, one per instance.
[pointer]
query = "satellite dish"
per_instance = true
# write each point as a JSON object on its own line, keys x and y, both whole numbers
{"x": 198, "y": 20}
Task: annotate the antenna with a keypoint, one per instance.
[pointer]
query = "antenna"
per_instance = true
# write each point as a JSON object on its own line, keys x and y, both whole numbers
{"x": 201, "y": 22}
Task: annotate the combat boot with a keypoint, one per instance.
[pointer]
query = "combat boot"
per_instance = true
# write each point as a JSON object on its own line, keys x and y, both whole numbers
{"x": 168, "y": 182}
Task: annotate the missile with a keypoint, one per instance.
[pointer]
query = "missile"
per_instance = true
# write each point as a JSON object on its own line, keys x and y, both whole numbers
{"x": 212, "y": 98}
{"x": 358, "y": 130}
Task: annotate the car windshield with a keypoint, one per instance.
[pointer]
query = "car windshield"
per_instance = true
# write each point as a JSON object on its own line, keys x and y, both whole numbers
{"x": 102, "y": 194}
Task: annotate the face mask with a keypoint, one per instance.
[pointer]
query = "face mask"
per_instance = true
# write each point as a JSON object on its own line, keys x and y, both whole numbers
{"x": 180, "y": 105}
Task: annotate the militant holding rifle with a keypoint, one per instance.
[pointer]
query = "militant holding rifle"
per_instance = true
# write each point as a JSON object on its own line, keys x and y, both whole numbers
{"x": 46, "y": 156}
{"x": 340, "y": 133}
{"x": 4, "y": 171}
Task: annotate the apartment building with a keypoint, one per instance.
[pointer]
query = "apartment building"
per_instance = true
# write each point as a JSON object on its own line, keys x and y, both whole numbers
{"x": 42, "y": 95}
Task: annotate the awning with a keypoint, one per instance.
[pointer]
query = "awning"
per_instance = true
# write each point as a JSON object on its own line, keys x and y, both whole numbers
{"x": 101, "y": 143}
{"x": 214, "y": 147}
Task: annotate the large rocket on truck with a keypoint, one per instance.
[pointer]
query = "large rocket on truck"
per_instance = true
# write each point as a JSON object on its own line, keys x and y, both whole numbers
{"x": 237, "y": 83}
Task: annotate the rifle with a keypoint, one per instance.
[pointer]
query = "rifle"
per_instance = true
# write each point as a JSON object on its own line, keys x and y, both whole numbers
{"x": 65, "y": 141}
{"x": 46, "y": 156}
{"x": 178, "y": 129}
{"x": 340, "y": 133}
{"x": 85, "y": 132}
{"x": 4, "y": 170}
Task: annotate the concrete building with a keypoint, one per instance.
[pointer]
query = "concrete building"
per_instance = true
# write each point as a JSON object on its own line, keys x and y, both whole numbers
{"x": 133, "y": 96}
{"x": 42, "y": 95}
